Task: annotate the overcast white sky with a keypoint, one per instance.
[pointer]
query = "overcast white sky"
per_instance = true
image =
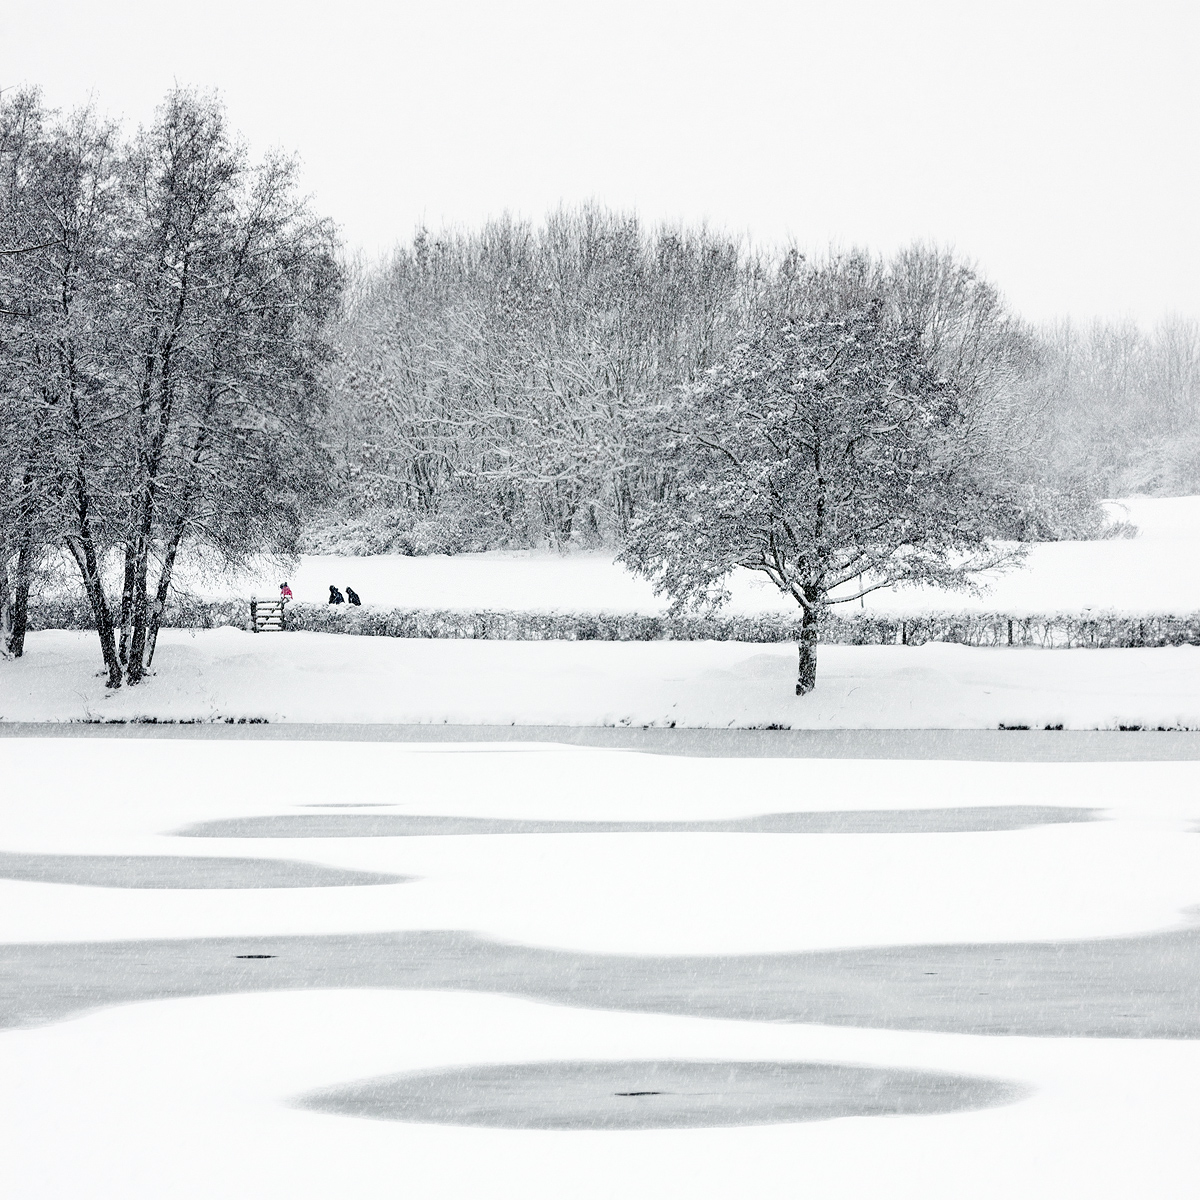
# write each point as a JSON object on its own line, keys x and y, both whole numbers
{"x": 1056, "y": 143}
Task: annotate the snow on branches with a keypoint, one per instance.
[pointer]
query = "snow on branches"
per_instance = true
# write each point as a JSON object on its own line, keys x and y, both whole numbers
{"x": 833, "y": 451}
{"x": 163, "y": 341}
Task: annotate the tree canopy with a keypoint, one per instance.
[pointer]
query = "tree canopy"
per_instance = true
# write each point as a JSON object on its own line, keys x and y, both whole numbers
{"x": 164, "y": 342}
{"x": 838, "y": 449}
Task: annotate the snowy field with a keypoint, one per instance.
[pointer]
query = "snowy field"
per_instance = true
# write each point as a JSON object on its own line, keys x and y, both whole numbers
{"x": 227, "y": 674}
{"x": 1156, "y": 572}
{"x": 926, "y": 1043}
{"x": 222, "y": 674}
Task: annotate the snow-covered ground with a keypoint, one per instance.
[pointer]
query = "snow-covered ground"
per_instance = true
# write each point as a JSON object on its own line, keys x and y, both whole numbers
{"x": 196, "y": 1097}
{"x": 1156, "y": 572}
{"x": 211, "y": 675}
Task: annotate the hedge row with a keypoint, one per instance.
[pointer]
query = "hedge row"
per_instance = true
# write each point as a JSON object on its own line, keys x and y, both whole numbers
{"x": 76, "y": 613}
{"x": 1060, "y": 631}
{"x": 984, "y": 629}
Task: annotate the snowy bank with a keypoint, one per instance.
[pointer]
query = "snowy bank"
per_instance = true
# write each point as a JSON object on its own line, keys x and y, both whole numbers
{"x": 215, "y": 675}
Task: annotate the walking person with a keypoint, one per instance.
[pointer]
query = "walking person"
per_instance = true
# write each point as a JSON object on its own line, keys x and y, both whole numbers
{"x": 335, "y": 597}
{"x": 352, "y": 595}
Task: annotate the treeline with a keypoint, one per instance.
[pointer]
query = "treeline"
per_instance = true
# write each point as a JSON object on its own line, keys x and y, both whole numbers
{"x": 499, "y": 386}
{"x": 1119, "y": 407}
{"x": 492, "y": 387}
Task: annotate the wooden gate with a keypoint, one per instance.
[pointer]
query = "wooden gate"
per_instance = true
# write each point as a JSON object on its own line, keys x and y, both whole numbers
{"x": 266, "y": 615}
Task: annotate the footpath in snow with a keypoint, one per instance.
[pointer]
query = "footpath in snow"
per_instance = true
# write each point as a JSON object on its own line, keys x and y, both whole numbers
{"x": 222, "y": 674}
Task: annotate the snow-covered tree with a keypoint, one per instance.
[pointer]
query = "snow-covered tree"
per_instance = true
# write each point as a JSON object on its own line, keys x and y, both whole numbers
{"x": 506, "y": 372}
{"x": 1119, "y": 409}
{"x": 59, "y": 324}
{"x": 21, "y": 238}
{"x": 832, "y": 451}
{"x": 229, "y": 280}
{"x": 163, "y": 344}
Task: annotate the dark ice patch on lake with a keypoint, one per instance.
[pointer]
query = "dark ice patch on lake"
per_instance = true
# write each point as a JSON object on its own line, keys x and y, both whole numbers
{"x": 1143, "y": 986}
{"x": 177, "y": 871}
{"x": 657, "y": 1095}
{"x": 983, "y": 819}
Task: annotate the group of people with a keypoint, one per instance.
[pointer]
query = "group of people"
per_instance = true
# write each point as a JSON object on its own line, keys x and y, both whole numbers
{"x": 335, "y": 596}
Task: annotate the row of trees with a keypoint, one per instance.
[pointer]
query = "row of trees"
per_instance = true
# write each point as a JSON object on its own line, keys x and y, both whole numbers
{"x": 499, "y": 386}
{"x": 163, "y": 303}
{"x": 1121, "y": 407}
{"x": 499, "y": 382}
{"x": 841, "y": 425}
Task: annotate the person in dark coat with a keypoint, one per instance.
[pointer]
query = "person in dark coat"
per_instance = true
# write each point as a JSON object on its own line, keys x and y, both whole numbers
{"x": 352, "y": 595}
{"x": 335, "y": 597}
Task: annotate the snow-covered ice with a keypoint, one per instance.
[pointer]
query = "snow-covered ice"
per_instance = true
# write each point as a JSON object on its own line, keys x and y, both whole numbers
{"x": 611, "y": 893}
{"x": 190, "y": 1099}
{"x": 195, "y": 1098}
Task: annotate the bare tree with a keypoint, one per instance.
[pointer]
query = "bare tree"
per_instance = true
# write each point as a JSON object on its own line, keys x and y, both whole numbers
{"x": 22, "y": 236}
{"x": 59, "y": 308}
{"x": 1118, "y": 407}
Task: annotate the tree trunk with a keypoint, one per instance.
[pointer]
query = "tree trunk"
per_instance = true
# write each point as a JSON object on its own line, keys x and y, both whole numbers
{"x": 806, "y": 680}
{"x": 625, "y": 506}
{"x": 15, "y": 618}
{"x": 139, "y": 607}
{"x": 81, "y": 544}
{"x": 164, "y": 586}
{"x": 14, "y": 608}
{"x": 126, "y": 603}
{"x": 19, "y": 617}
{"x": 5, "y": 608}
{"x": 84, "y": 554}
{"x": 134, "y": 669}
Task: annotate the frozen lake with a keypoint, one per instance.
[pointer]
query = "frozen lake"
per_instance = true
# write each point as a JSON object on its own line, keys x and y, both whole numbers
{"x": 522, "y": 968}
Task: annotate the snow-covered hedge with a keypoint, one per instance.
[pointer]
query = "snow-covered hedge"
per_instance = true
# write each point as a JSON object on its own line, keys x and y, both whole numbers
{"x": 1059, "y": 631}
{"x": 969, "y": 629}
{"x": 75, "y": 613}
{"x": 538, "y": 626}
